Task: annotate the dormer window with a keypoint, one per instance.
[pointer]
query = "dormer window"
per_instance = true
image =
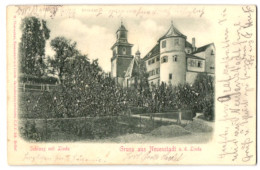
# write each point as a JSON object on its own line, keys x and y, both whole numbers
{"x": 164, "y": 44}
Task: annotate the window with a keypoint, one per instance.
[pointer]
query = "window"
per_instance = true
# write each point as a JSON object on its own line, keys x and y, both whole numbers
{"x": 164, "y": 44}
{"x": 158, "y": 71}
{"x": 124, "y": 50}
{"x": 164, "y": 59}
{"x": 212, "y": 68}
{"x": 175, "y": 58}
{"x": 188, "y": 51}
{"x": 191, "y": 63}
{"x": 170, "y": 76}
{"x": 199, "y": 64}
{"x": 151, "y": 61}
{"x": 123, "y": 34}
{"x": 212, "y": 52}
{"x": 158, "y": 58}
{"x": 152, "y": 72}
{"x": 176, "y": 41}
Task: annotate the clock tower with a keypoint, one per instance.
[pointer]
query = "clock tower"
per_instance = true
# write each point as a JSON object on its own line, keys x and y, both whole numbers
{"x": 121, "y": 55}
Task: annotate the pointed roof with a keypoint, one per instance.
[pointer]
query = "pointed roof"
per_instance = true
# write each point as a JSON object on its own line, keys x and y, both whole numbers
{"x": 137, "y": 52}
{"x": 130, "y": 69}
{"x": 122, "y": 27}
{"x": 118, "y": 42}
{"x": 173, "y": 32}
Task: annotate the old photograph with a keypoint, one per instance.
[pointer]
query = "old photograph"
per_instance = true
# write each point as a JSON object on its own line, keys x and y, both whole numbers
{"x": 152, "y": 83}
{"x": 164, "y": 93}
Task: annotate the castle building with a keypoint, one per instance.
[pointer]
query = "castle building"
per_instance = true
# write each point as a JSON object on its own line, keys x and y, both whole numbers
{"x": 172, "y": 60}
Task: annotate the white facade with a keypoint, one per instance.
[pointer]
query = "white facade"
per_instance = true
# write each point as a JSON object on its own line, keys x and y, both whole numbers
{"x": 177, "y": 60}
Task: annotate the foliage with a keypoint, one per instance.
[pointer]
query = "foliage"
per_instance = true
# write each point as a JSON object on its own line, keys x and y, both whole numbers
{"x": 29, "y": 131}
{"x": 204, "y": 87}
{"x": 64, "y": 50}
{"x": 85, "y": 91}
{"x": 32, "y": 46}
{"x": 185, "y": 96}
{"x": 88, "y": 92}
{"x": 139, "y": 93}
{"x": 197, "y": 97}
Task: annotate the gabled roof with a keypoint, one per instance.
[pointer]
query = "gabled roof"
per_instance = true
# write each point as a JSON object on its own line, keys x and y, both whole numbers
{"x": 129, "y": 70}
{"x": 173, "y": 32}
{"x": 194, "y": 57}
{"x": 154, "y": 51}
{"x": 203, "y": 48}
{"x": 187, "y": 44}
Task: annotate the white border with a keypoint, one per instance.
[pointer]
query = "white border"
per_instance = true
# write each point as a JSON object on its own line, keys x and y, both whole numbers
{"x": 3, "y": 101}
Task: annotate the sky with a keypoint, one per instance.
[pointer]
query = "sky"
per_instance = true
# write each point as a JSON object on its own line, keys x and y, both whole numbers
{"x": 95, "y": 36}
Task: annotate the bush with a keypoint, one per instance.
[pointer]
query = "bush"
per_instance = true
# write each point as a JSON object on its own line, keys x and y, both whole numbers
{"x": 138, "y": 110}
{"x": 208, "y": 109}
{"x": 29, "y": 131}
{"x": 204, "y": 87}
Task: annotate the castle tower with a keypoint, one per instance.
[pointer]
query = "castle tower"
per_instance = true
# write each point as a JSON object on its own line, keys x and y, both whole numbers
{"x": 172, "y": 57}
{"x": 138, "y": 55}
{"x": 122, "y": 55}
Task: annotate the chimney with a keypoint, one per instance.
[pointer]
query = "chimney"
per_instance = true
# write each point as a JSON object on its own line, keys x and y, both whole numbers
{"x": 193, "y": 44}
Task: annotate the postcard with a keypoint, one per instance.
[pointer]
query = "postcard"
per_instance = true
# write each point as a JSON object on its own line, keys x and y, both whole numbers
{"x": 131, "y": 84}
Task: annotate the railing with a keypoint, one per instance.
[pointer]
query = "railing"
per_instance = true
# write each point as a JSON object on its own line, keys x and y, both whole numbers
{"x": 36, "y": 87}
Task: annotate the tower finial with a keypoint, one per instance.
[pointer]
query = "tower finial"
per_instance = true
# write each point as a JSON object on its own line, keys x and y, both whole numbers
{"x": 171, "y": 22}
{"x": 121, "y": 21}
